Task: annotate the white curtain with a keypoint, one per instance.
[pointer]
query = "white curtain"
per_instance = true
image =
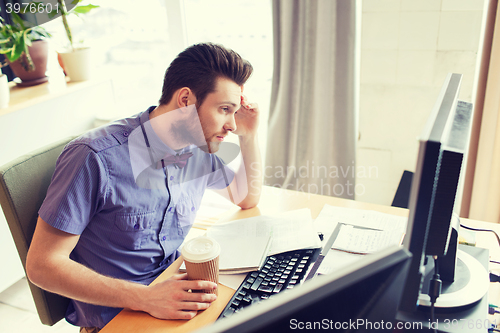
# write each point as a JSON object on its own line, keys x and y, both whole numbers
{"x": 312, "y": 131}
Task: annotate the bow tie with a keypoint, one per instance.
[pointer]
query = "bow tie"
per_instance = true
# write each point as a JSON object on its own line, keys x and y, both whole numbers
{"x": 178, "y": 160}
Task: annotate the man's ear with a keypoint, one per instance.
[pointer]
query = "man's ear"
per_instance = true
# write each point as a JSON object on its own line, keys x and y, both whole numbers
{"x": 185, "y": 97}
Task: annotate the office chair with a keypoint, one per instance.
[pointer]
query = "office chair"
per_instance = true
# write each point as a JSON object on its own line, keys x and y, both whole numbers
{"x": 23, "y": 186}
{"x": 402, "y": 196}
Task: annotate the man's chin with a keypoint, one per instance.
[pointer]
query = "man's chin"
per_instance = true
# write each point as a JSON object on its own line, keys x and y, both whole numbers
{"x": 211, "y": 147}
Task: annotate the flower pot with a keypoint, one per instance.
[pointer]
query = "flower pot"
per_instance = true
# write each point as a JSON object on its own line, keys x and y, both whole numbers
{"x": 76, "y": 64}
{"x": 38, "y": 51}
{"x": 4, "y": 91}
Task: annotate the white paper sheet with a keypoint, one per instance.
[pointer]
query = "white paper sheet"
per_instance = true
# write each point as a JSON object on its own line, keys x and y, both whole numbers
{"x": 293, "y": 230}
{"x": 246, "y": 242}
{"x": 364, "y": 240}
{"x": 233, "y": 280}
{"x": 330, "y": 216}
{"x": 242, "y": 244}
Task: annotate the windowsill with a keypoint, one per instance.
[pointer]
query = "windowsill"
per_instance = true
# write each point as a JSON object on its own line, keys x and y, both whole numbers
{"x": 22, "y": 97}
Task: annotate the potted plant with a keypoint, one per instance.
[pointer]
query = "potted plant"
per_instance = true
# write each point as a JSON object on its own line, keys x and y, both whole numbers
{"x": 25, "y": 50}
{"x": 76, "y": 61}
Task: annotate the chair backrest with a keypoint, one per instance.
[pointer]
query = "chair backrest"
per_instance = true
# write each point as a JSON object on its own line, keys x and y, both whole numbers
{"x": 402, "y": 196}
{"x": 23, "y": 186}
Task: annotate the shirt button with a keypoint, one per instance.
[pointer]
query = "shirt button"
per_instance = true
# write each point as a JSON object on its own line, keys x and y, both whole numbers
{"x": 192, "y": 209}
{"x": 125, "y": 134}
{"x": 171, "y": 177}
{"x": 136, "y": 226}
{"x": 164, "y": 238}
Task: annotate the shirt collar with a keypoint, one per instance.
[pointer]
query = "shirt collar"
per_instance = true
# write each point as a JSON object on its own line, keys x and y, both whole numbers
{"x": 158, "y": 148}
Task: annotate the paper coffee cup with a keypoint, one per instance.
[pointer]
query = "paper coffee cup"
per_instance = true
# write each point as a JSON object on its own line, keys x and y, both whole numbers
{"x": 201, "y": 256}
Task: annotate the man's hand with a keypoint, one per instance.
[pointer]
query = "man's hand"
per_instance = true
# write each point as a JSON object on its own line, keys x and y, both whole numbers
{"x": 247, "y": 183}
{"x": 247, "y": 118}
{"x": 49, "y": 266}
{"x": 173, "y": 299}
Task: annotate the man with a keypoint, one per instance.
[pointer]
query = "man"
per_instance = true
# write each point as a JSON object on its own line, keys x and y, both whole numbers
{"x": 124, "y": 196}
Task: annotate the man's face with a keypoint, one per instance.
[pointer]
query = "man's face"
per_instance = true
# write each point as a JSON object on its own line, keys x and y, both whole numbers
{"x": 217, "y": 112}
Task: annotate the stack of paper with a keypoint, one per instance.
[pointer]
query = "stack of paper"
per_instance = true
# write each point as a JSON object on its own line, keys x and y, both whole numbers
{"x": 245, "y": 243}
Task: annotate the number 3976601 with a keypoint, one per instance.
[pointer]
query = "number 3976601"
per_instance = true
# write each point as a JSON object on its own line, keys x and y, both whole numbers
{"x": 32, "y": 7}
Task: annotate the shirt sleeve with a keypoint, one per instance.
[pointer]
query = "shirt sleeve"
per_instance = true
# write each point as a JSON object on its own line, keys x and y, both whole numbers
{"x": 77, "y": 190}
{"x": 221, "y": 175}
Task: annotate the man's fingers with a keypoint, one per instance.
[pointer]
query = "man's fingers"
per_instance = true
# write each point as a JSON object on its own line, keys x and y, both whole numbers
{"x": 245, "y": 103}
{"x": 250, "y": 106}
{"x": 194, "y": 306}
{"x": 187, "y": 310}
{"x": 177, "y": 297}
{"x": 183, "y": 315}
{"x": 200, "y": 297}
{"x": 198, "y": 285}
{"x": 179, "y": 276}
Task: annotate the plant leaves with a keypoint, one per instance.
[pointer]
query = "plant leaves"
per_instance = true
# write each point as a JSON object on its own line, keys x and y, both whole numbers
{"x": 84, "y": 9}
{"x": 18, "y": 20}
{"x": 16, "y": 38}
{"x": 27, "y": 39}
{"x": 19, "y": 47}
{"x": 5, "y": 51}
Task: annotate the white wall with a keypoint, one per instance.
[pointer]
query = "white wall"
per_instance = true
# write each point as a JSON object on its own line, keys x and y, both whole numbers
{"x": 407, "y": 49}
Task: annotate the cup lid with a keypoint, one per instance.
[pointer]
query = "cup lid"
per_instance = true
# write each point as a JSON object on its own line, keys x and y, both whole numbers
{"x": 200, "y": 249}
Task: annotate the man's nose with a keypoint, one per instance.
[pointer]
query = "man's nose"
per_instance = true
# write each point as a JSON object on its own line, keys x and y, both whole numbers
{"x": 230, "y": 124}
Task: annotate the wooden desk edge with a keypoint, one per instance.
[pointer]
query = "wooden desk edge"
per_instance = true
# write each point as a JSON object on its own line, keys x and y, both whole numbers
{"x": 132, "y": 321}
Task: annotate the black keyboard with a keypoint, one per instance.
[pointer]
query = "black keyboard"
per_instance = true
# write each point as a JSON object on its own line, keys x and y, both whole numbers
{"x": 278, "y": 273}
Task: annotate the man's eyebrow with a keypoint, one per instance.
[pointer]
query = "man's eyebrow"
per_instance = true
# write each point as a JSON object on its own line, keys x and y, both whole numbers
{"x": 230, "y": 103}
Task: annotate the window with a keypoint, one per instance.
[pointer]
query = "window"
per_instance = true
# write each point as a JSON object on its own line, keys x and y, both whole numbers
{"x": 131, "y": 43}
{"x": 246, "y": 27}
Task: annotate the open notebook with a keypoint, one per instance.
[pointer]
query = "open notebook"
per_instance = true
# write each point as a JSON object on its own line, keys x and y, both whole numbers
{"x": 247, "y": 242}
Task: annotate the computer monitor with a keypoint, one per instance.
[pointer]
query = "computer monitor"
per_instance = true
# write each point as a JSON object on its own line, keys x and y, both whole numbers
{"x": 433, "y": 222}
{"x": 362, "y": 297}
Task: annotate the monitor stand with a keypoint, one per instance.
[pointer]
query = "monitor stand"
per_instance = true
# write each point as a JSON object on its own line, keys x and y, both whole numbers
{"x": 470, "y": 285}
{"x": 455, "y": 319}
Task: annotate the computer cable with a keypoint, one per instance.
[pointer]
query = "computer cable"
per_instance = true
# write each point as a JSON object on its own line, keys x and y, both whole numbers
{"x": 475, "y": 229}
{"x": 434, "y": 289}
{"x": 488, "y": 230}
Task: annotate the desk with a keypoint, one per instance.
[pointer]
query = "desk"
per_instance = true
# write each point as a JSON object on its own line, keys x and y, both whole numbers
{"x": 274, "y": 201}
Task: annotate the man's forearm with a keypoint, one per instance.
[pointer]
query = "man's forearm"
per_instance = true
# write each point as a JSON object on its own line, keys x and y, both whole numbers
{"x": 49, "y": 266}
{"x": 73, "y": 280}
{"x": 249, "y": 173}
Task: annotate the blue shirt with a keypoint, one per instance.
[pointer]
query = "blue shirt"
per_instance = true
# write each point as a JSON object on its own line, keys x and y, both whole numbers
{"x": 130, "y": 222}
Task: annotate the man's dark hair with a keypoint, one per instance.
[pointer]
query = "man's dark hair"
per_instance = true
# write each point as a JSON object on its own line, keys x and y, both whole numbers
{"x": 199, "y": 66}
